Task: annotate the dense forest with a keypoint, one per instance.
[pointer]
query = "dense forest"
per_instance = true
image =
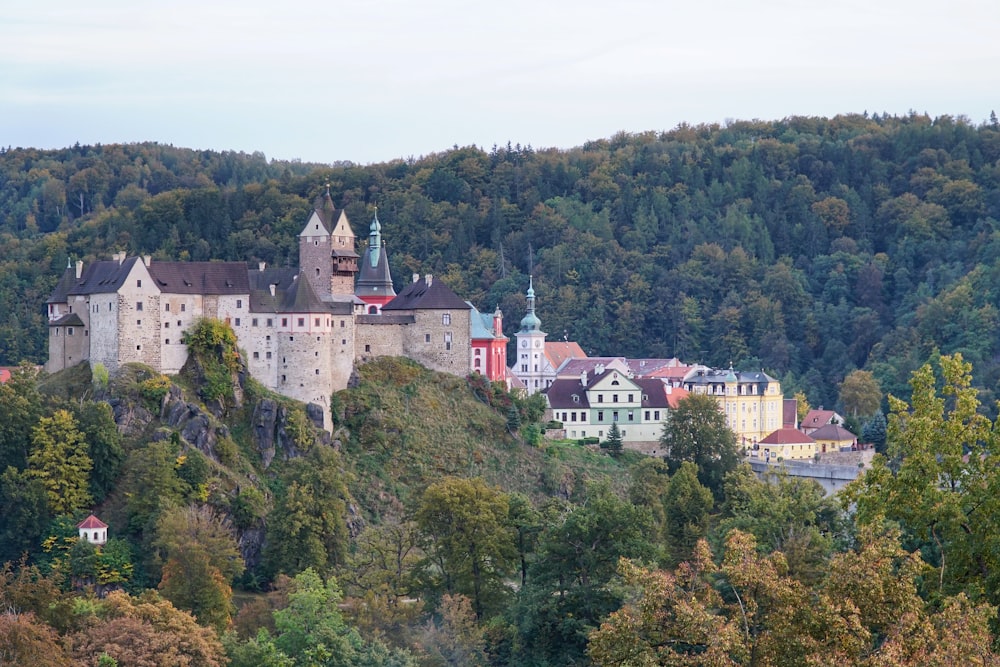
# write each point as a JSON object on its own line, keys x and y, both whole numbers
{"x": 808, "y": 246}
{"x": 437, "y": 525}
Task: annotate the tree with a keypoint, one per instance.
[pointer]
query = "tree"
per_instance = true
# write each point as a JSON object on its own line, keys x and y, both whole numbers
{"x": 24, "y": 506}
{"x": 874, "y": 432}
{"x": 801, "y": 405}
{"x": 201, "y": 560}
{"x": 687, "y": 505}
{"x": 60, "y": 460}
{"x": 24, "y": 640}
{"x": 104, "y": 446}
{"x": 20, "y": 410}
{"x": 860, "y": 393}
{"x": 696, "y": 431}
{"x": 614, "y": 442}
{"x": 308, "y": 525}
{"x": 469, "y": 541}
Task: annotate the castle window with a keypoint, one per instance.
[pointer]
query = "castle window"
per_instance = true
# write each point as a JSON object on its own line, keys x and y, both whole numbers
{"x": 368, "y": 348}
{"x": 284, "y": 360}
{"x": 573, "y": 415}
{"x": 138, "y": 347}
{"x": 427, "y": 338}
{"x": 316, "y": 354}
{"x": 267, "y": 355}
{"x": 317, "y": 371}
{"x": 341, "y": 324}
{"x": 237, "y": 321}
{"x": 167, "y": 308}
{"x": 268, "y": 338}
{"x": 270, "y": 322}
{"x": 446, "y": 319}
{"x": 343, "y": 341}
{"x": 256, "y": 355}
{"x": 138, "y": 283}
{"x": 284, "y": 321}
{"x": 183, "y": 307}
{"x": 302, "y": 321}
{"x": 524, "y": 368}
{"x": 646, "y": 417}
{"x": 373, "y": 310}
{"x": 317, "y": 272}
{"x": 447, "y": 341}
{"x": 178, "y": 323}
{"x": 167, "y": 341}
{"x": 86, "y": 332}
{"x": 600, "y": 398}
{"x": 166, "y": 325}
{"x": 316, "y": 322}
{"x": 138, "y": 305}
{"x": 138, "y": 323}
{"x": 69, "y": 331}
{"x": 291, "y": 338}
{"x": 253, "y": 321}
{"x": 283, "y": 378}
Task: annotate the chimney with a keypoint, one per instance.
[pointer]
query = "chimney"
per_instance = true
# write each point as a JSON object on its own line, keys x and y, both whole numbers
{"x": 271, "y": 288}
{"x": 121, "y": 258}
{"x": 260, "y": 266}
{"x": 669, "y": 388}
{"x": 428, "y": 279}
{"x": 416, "y": 277}
{"x": 583, "y": 377}
{"x": 599, "y": 369}
{"x": 146, "y": 259}
{"x": 79, "y": 268}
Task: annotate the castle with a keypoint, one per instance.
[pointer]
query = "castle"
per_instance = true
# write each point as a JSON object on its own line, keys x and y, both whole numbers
{"x": 302, "y": 329}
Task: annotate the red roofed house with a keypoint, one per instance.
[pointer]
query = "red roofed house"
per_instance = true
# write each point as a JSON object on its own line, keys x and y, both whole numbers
{"x": 834, "y": 438}
{"x": 787, "y": 444}
{"x": 93, "y": 530}
{"x": 817, "y": 418}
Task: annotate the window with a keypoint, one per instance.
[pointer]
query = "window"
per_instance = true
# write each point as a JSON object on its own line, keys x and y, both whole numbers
{"x": 316, "y": 322}
{"x": 253, "y": 321}
{"x": 270, "y": 322}
{"x": 239, "y": 303}
{"x": 614, "y": 415}
{"x": 267, "y": 355}
{"x": 317, "y": 371}
{"x": 69, "y": 331}
{"x": 167, "y": 342}
{"x": 167, "y": 308}
{"x": 183, "y": 307}
{"x": 138, "y": 283}
{"x": 446, "y": 319}
{"x": 631, "y": 416}
{"x": 341, "y": 324}
{"x": 237, "y": 321}
{"x": 138, "y": 347}
{"x": 646, "y": 416}
{"x": 600, "y": 398}
{"x": 268, "y": 338}
{"x": 256, "y": 355}
{"x": 524, "y": 368}
{"x": 427, "y": 338}
{"x": 138, "y": 305}
{"x": 630, "y": 399}
{"x": 284, "y": 321}
{"x": 447, "y": 341}
{"x": 343, "y": 341}
{"x": 138, "y": 323}
{"x": 600, "y": 415}
{"x": 614, "y": 398}
{"x": 178, "y": 323}
{"x": 302, "y": 321}
{"x": 573, "y": 416}
{"x": 166, "y": 325}
{"x": 368, "y": 348}
{"x": 283, "y": 378}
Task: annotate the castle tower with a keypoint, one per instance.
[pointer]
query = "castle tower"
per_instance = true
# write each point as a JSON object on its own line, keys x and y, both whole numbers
{"x": 531, "y": 361}
{"x": 374, "y": 282}
{"x": 327, "y": 258}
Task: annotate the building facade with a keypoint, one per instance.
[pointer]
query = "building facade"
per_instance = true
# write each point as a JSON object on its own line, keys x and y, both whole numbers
{"x": 752, "y": 401}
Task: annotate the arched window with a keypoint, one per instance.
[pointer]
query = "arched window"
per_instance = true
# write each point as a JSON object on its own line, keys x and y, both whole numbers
{"x": 373, "y": 310}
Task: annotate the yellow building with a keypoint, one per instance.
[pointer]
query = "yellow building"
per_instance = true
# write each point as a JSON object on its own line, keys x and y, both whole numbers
{"x": 834, "y": 438}
{"x": 751, "y": 401}
{"x": 786, "y": 444}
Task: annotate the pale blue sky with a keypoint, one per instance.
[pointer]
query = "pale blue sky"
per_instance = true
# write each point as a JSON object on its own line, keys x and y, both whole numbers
{"x": 372, "y": 81}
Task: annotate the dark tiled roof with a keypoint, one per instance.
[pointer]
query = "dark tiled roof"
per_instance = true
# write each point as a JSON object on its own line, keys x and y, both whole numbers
{"x": 419, "y": 295}
{"x": 817, "y": 418}
{"x": 374, "y": 276}
{"x": 654, "y": 392}
{"x": 560, "y": 394}
{"x": 69, "y": 320}
{"x": 343, "y": 253}
{"x": 102, "y": 277}
{"x": 385, "y": 319}
{"x": 201, "y": 277}
{"x": 300, "y": 298}
{"x": 260, "y": 283}
{"x": 62, "y": 289}
{"x": 833, "y": 432}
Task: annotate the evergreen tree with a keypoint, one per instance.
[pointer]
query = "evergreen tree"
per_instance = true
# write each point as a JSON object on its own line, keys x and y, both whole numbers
{"x": 874, "y": 432}
{"x": 59, "y": 458}
{"x": 613, "y": 444}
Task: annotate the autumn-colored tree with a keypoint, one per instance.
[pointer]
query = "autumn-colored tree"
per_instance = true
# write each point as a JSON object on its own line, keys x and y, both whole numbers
{"x": 860, "y": 394}
{"x": 24, "y": 640}
{"x": 60, "y": 460}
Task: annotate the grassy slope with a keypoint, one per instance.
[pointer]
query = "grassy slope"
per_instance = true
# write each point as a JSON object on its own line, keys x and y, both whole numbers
{"x": 404, "y": 427}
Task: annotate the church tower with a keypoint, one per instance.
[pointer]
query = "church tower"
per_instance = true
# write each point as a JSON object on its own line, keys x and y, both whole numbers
{"x": 327, "y": 258}
{"x": 374, "y": 282}
{"x": 531, "y": 361}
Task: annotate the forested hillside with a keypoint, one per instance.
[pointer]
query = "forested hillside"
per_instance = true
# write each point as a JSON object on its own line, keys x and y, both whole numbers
{"x": 806, "y": 246}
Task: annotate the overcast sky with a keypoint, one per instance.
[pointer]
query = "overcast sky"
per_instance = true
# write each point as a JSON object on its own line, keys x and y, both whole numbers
{"x": 383, "y": 79}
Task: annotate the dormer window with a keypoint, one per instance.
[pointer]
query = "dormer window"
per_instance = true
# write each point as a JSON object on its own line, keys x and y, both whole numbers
{"x": 576, "y": 398}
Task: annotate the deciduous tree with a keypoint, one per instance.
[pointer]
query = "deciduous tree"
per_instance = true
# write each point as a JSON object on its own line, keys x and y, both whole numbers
{"x": 696, "y": 431}
{"x": 60, "y": 460}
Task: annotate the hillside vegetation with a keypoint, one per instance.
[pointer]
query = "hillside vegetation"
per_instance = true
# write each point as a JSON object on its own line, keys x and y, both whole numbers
{"x": 806, "y": 246}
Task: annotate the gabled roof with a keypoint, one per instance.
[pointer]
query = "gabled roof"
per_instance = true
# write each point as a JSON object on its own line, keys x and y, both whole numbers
{"x": 834, "y": 432}
{"x": 817, "y": 418}
{"x": 647, "y": 367}
{"x": 421, "y": 295}
{"x": 787, "y": 436}
{"x": 91, "y": 522}
{"x": 60, "y": 293}
{"x": 561, "y": 392}
{"x": 373, "y": 274}
{"x": 574, "y": 366}
{"x": 102, "y": 277}
{"x": 558, "y": 351}
{"x": 201, "y": 277}
{"x": 480, "y": 325}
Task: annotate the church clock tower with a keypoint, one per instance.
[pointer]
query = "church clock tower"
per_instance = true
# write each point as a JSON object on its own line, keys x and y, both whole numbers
{"x": 530, "y": 360}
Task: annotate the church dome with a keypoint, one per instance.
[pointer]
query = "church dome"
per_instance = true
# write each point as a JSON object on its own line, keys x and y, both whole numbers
{"x": 530, "y": 322}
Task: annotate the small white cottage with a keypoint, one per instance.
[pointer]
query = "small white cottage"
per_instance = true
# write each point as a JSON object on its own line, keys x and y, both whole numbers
{"x": 93, "y": 530}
